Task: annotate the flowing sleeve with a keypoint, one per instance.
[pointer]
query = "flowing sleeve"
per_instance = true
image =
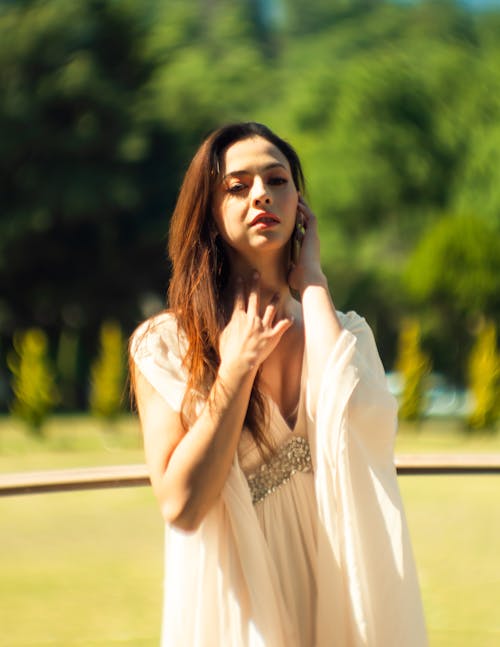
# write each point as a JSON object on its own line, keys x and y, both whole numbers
{"x": 157, "y": 348}
{"x": 368, "y": 593}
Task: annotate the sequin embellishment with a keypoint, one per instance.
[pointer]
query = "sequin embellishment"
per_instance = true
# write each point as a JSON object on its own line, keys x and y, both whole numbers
{"x": 294, "y": 456}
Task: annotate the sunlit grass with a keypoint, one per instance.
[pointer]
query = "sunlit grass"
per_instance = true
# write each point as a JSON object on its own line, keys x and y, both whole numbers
{"x": 455, "y": 524}
{"x": 69, "y": 441}
{"x": 81, "y": 568}
{"x": 444, "y": 436}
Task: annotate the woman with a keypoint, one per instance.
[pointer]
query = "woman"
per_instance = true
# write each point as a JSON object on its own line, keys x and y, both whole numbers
{"x": 267, "y": 424}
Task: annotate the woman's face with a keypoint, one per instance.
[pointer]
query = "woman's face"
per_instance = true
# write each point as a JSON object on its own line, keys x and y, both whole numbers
{"x": 255, "y": 205}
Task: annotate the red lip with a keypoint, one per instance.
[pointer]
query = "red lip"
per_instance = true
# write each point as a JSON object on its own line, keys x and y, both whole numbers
{"x": 262, "y": 216}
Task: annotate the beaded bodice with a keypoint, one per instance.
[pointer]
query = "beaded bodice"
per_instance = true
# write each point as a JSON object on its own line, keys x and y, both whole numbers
{"x": 292, "y": 457}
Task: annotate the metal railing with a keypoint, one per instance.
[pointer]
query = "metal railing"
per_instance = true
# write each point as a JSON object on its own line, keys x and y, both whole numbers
{"x": 117, "y": 476}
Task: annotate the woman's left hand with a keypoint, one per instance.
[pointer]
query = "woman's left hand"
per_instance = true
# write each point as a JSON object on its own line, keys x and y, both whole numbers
{"x": 307, "y": 270}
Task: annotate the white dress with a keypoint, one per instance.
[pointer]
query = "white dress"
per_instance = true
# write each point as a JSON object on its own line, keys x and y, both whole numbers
{"x": 308, "y": 549}
{"x": 285, "y": 505}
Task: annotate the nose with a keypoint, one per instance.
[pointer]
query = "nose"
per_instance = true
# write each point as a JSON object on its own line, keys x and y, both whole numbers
{"x": 260, "y": 193}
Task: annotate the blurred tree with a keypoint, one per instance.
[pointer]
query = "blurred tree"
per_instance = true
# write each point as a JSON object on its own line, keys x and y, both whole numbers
{"x": 300, "y": 17}
{"x": 456, "y": 266}
{"x": 478, "y": 183}
{"x": 414, "y": 366}
{"x": 392, "y": 106}
{"x": 33, "y": 383}
{"x": 67, "y": 368}
{"x": 452, "y": 275}
{"x": 210, "y": 68}
{"x": 484, "y": 378}
{"x": 108, "y": 373}
{"x": 74, "y": 147}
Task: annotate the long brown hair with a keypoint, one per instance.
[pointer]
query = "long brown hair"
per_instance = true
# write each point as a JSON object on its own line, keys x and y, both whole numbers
{"x": 200, "y": 267}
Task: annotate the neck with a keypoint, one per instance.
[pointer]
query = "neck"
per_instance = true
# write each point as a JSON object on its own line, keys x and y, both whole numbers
{"x": 273, "y": 276}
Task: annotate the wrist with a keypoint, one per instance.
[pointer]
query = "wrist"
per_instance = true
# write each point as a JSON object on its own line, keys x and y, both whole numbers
{"x": 235, "y": 374}
{"x": 312, "y": 278}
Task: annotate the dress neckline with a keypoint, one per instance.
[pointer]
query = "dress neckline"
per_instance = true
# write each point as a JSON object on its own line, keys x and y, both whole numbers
{"x": 298, "y": 407}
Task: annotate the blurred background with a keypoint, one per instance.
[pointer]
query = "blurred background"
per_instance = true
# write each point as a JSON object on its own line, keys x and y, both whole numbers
{"x": 394, "y": 109}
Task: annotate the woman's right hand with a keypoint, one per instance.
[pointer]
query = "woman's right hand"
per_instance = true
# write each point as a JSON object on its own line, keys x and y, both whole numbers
{"x": 248, "y": 339}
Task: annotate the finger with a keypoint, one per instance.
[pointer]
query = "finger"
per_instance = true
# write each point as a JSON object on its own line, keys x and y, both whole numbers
{"x": 304, "y": 211}
{"x": 312, "y": 222}
{"x": 270, "y": 311}
{"x": 281, "y": 327}
{"x": 254, "y": 296}
{"x": 239, "y": 295}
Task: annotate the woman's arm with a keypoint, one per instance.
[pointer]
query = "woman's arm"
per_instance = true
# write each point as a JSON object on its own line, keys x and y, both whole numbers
{"x": 321, "y": 324}
{"x": 189, "y": 470}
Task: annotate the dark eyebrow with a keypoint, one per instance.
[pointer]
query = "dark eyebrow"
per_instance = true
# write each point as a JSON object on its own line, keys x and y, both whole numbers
{"x": 265, "y": 168}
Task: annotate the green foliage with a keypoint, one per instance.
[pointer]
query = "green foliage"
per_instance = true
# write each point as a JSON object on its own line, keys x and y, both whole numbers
{"x": 67, "y": 367}
{"x": 108, "y": 372}
{"x": 478, "y": 185}
{"x": 484, "y": 378}
{"x": 393, "y": 107}
{"x": 69, "y": 74}
{"x": 206, "y": 56}
{"x": 73, "y": 145}
{"x": 413, "y": 365}
{"x": 457, "y": 264}
{"x": 33, "y": 383}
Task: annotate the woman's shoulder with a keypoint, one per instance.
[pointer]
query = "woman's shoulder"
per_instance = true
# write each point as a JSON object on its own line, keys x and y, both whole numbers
{"x": 164, "y": 320}
{"x": 157, "y": 350}
{"x": 156, "y": 332}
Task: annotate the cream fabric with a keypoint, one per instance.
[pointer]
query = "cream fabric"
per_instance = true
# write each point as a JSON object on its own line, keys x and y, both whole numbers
{"x": 344, "y": 546}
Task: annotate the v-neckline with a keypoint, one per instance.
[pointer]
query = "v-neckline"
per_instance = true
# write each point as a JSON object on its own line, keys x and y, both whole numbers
{"x": 298, "y": 407}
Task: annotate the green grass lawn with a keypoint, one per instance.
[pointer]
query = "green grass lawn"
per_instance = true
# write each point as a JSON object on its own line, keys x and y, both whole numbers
{"x": 455, "y": 528}
{"x": 81, "y": 568}
{"x": 69, "y": 441}
{"x": 85, "y": 568}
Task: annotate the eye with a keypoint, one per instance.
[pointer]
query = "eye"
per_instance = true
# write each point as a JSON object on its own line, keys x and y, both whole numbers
{"x": 276, "y": 181}
{"x": 236, "y": 188}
